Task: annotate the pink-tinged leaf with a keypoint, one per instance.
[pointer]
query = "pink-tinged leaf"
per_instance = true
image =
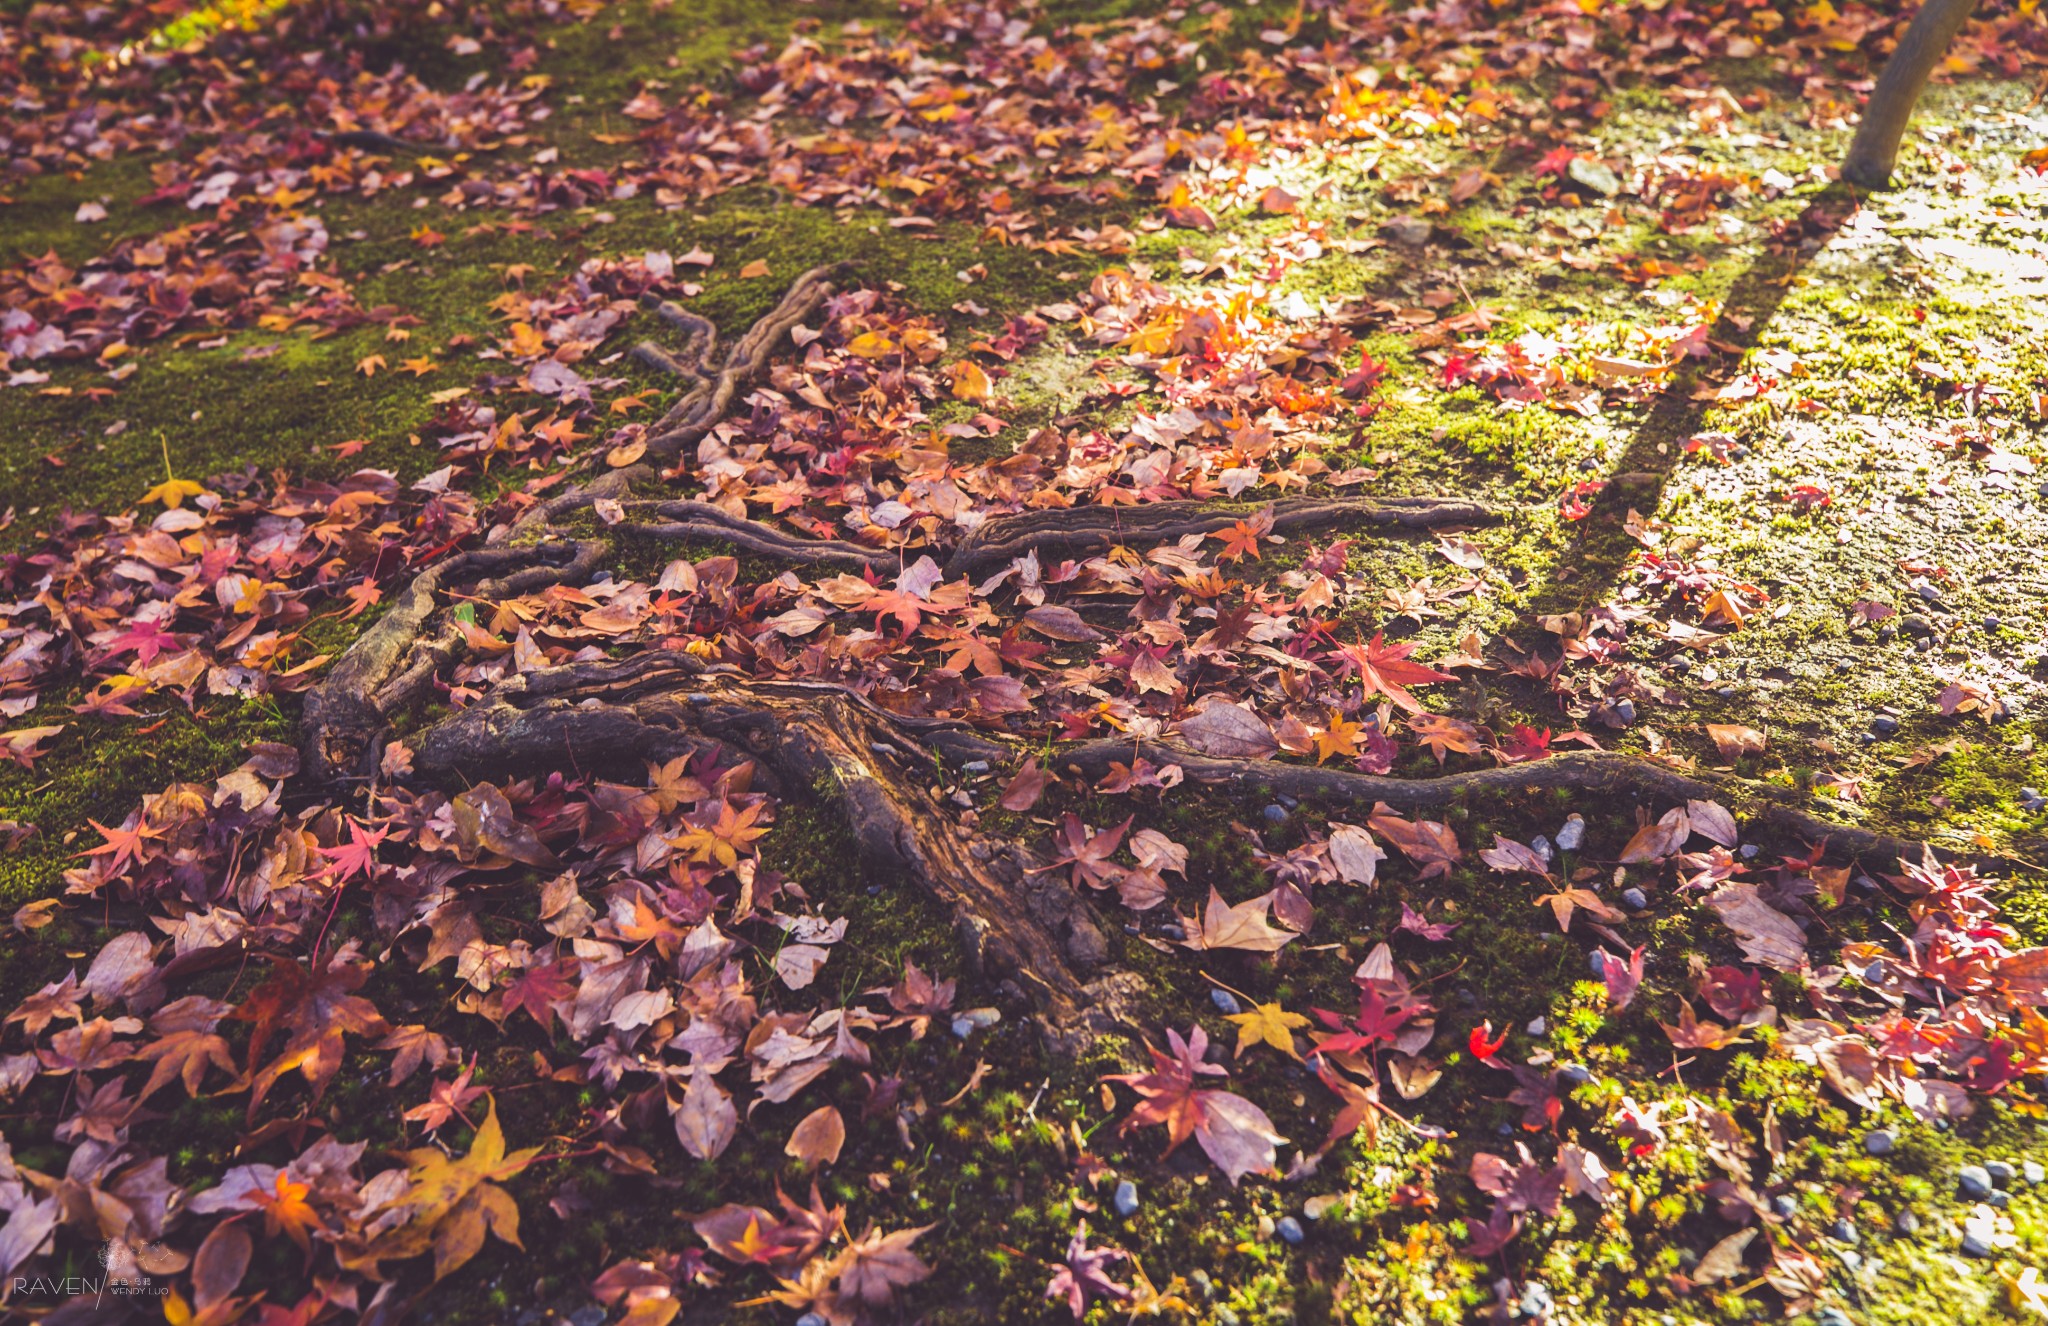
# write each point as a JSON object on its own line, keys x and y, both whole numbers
{"x": 1508, "y": 855}
{"x": 1024, "y": 790}
{"x": 1766, "y": 934}
{"x": 1622, "y": 977}
{"x": 1237, "y": 1135}
{"x": 1228, "y": 731}
{"x": 705, "y": 1120}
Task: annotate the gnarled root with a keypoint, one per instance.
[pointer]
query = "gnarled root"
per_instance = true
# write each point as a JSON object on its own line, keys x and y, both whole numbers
{"x": 1580, "y": 771}
{"x": 1015, "y": 922}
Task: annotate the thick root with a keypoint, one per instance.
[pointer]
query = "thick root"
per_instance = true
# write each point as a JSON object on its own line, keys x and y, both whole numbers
{"x": 1015, "y": 922}
{"x": 1581, "y": 771}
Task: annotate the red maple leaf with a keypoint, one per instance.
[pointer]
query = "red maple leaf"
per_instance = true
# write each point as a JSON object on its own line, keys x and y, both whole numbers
{"x": 1385, "y": 668}
{"x": 358, "y": 856}
{"x": 538, "y": 990}
{"x": 125, "y": 843}
{"x": 1377, "y": 1023}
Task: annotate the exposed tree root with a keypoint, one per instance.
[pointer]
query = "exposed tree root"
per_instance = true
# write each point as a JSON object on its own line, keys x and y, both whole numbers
{"x": 1017, "y": 922}
{"x": 1083, "y": 530}
{"x": 1581, "y": 771}
{"x": 1014, "y": 922}
{"x": 352, "y": 703}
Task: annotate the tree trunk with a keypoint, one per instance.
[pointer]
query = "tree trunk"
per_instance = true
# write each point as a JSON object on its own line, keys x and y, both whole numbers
{"x": 1876, "y": 147}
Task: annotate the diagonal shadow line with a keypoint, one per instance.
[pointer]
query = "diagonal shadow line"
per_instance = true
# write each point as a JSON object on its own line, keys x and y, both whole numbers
{"x": 1602, "y": 549}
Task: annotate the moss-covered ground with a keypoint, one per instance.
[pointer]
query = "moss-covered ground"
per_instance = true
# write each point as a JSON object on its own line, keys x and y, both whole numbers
{"x": 1898, "y": 357}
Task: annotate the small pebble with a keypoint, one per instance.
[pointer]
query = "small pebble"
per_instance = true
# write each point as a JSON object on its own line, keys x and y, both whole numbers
{"x": 1884, "y": 725}
{"x": 1929, "y": 593}
{"x": 1999, "y": 1198}
{"x": 1635, "y": 900}
{"x": 1288, "y": 801}
{"x": 975, "y": 767}
{"x": 1536, "y": 1300}
{"x": 1842, "y": 1231}
{"x": 1887, "y": 633}
{"x": 881, "y": 748}
{"x": 1226, "y": 1003}
{"x": 1992, "y": 623}
{"x": 1907, "y": 1223}
{"x": 2033, "y": 800}
{"x": 1626, "y": 711}
{"x": 1126, "y": 1199}
{"x": 812, "y": 1319}
{"x": 1973, "y": 1182}
{"x": 962, "y": 1028}
{"x": 1539, "y": 1027}
{"x": 1576, "y": 1075}
{"x": 1598, "y": 962}
{"x": 1749, "y": 851}
{"x": 1540, "y": 845}
{"x": 1504, "y": 1130}
{"x": 1738, "y": 452}
{"x": 1173, "y": 931}
{"x": 1784, "y": 1207}
{"x": 1832, "y": 1316}
{"x": 588, "y": 1316}
{"x": 1874, "y": 973}
{"x": 2033, "y": 1172}
{"x": 1879, "y": 1142}
{"x": 1572, "y": 834}
{"x": 1725, "y": 692}
{"x": 2001, "y": 1173}
{"x": 1975, "y": 1245}
{"x": 1275, "y": 814}
{"x": 1290, "y": 1231}
{"x": 1204, "y": 1286}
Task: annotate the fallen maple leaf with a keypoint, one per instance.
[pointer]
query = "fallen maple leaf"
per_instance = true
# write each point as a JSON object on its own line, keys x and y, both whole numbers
{"x": 1234, "y": 1133}
{"x": 1244, "y": 926}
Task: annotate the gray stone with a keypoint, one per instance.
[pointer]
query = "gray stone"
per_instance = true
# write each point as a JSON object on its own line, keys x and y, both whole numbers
{"x": 1973, "y": 1182}
{"x": 975, "y": 767}
{"x": 589, "y": 1316}
{"x": 2001, "y": 1173}
{"x": 1884, "y": 725}
{"x": 1572, "y": 834}
{"x": 962, "y": 1028}
{"x": 1576, "y": 1075}
{"x": 1625, "y": 710}
{"x": 1536, "y": 1300}
{"x": 2033, "y": 1171}
{"x": 1784, "y": 1207}
{"x": 1975, "y": 1245}
{"x": 1409, "y": 230}
{"x": 1906, "y": 1223}
{"x": 1635, "y": 900}
{"x": 1594, "y": 174}
{"x": 1879, "y": 1141}
{"x": 812, "y": 1319}
{"x": 1598, "y": 962}
{"x": 1275, "y": 814}
{"x": 1290, "y": 1231}
{"x": 1832, "y": 1316}
{"x": 1226, "y": 1003}
{"x": 1126, "y": 1199}
{"x": 1843, "y": 1231}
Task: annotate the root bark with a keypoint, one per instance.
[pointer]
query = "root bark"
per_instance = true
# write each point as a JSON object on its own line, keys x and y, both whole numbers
{"x": 1017, "y": 922}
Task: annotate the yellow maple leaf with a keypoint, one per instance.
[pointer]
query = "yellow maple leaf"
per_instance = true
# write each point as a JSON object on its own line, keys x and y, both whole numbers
{"x": 970, "y": 383}
{"x": 173, "y": 492}
{"x": 1269, "y": 1024}
{"x": 725, "y": 839}
{"x": 1340, "y": 738}
{"x": 453, "y": 1203}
